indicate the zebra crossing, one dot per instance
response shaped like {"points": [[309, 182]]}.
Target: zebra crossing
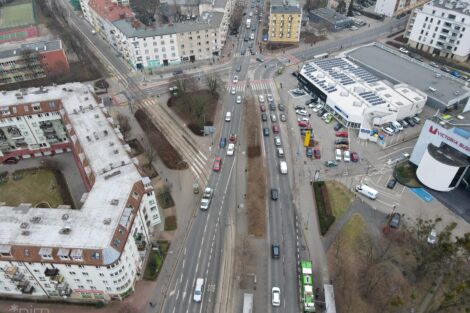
{"points": [[267, 84], [238, 54]]}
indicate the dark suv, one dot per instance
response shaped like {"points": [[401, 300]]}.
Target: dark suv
{"points": [[274, 194], [275, 250], [395, 220]]}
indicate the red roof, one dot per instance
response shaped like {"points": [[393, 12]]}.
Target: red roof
{"points": [[109, 10]]}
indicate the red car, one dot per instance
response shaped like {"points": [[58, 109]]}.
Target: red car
{"points": [[303, 124], [217, 164], [262, 108], [275, 129], [342, 134], [354, 157], [317, 153]]}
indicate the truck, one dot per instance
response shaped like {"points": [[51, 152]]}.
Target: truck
{"points": [[206, 198], [248, 23], [283, 167], [367, 191]]}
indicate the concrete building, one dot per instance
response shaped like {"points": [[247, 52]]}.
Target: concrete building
{"points": [[396, 7], [333, 20], [442, 28], [442, 153], [31, 60], [94, 253], [443, 91], [357, 98], [285, 21]]}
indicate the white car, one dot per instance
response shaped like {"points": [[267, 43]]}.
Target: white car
{"points": [[301, 112], [277, 141], [235, 79], [261, 98], [232, 91], [239, 99], [270, 98], [403, 50], [325, 116], [388, 131], [432, 238], [346, 156], [230, 149], [252, 36], [303, 119], [276, 296]]}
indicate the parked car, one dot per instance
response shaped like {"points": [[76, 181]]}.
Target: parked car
{"points": [[432, 237], [264, 117], [223, 142], [354, 157], [387, 130], [346, 156], [330, 163], [303, 124], [270, 98], [391, 183], [273, 118], [11, 161], [281, 107], [416, 119], [309, 152], [343, 134], [321, 112], [395, 220], [275, 129], [282, 117], [301, 112], [304, 130], [217, 164], [262, 108], [274, 194], [337, 126], [341, 141], [317, 153], [272, 107], [299, 107], [261, 98], [410, 121]]}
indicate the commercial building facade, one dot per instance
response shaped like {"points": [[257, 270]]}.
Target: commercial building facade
{"points": [[396, 7], [96, 252], [333, 20], [441, 28], [285, 21], [31, 60]]}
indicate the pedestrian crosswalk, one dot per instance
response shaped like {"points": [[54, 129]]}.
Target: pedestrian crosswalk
{"points": [[238, 54], [265, 84]]}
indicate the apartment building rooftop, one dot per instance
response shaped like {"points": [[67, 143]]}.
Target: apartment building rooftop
{"points": [[9, 50], [285, 6], [461, 6], [134, 28], [105, 206], [398, 67], [110, 10]]}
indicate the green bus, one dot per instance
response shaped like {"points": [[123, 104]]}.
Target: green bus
{"points": [[306, 286]]}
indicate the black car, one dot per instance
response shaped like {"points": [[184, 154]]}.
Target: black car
{"points": [[281, 107], [391, 183], [341, 141], [252, 51], [299, 107], [338, 126], [410, 121], [246, 38], [275, 251], [243, 51], [274, 194], [272, 107], [264, 117], [321, 112], [295, 73], [177, 72], [266, 131], [395, 220]]}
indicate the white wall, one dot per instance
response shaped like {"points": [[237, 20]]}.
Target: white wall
{"points": [[385, 7], [434, 174]]}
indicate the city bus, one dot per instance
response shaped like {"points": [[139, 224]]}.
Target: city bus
{"points": [[306, 286]]}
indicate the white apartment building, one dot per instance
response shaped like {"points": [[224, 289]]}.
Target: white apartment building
{"points": [[94, 253], [442, 28], [396, 7]]}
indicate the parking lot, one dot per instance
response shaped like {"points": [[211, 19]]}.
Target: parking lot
{"points": [[374, 166]]}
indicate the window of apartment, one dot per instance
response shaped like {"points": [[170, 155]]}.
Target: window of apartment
{"points": [[463, 20], [422, 31], [451, 16], [81, 287], [155, 50], [432, 19], [84, 273], [426, 19], [77, 280], [72, 273]]}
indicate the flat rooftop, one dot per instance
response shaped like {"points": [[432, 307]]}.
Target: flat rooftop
{"points": [[15, 49], [93, 226], [330, 15], [399, 67]]}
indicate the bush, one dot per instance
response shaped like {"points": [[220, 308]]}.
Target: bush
{"points": [[170, 223], [325, 217]]}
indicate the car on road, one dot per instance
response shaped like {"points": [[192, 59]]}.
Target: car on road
{"points": [[243, 51], [330, 163], [233, 91], [252, 36], [230, 149], [280, 152], [232, 138], [262, 108], [354, 157], [217, 164], [276, 296], [239, 68], [277, 141], [391, 183], [228, 116], [395, 220], [283, 117], [432, 237], [272, 107], [301, 112], [177, 72], [273, 118], [246, 38], [197, 296], [274, 194], [275, 251], [270, 98], [261, 98], [223, 142], [235, 79], [281, 107], [239, 99], [309, 152], [275, 129], [264, 117], [266, 131], [317, 153]]}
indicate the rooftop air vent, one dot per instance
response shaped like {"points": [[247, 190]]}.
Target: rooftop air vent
{"points": [[65, 231], [114, 202], [24, 225], [65, 217], [107, 221], [35, 219], [25, 233]]}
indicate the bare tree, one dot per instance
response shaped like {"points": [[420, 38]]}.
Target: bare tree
{"points": [[237, 16], [213, 83], [185, 84], [151, 155], [124, 125]]}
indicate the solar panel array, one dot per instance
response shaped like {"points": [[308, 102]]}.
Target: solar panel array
{"points": [[371, 98], [365, 75]]}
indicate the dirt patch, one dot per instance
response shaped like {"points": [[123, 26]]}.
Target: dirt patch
{"points": [[197, 109], [256, 176], [170, 223], [167, 153], [311, 38]]}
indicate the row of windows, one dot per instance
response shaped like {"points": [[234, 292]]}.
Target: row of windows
{"points": [[449, 16]]}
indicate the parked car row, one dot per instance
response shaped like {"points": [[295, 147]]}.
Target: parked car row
{"points": [[397, 126]]}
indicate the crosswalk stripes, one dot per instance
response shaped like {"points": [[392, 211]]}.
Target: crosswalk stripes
{"points": [[238, 88], [254, 85], [263, 85], [238, 54]]}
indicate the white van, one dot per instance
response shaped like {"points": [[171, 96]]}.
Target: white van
{"points": [[367, 191], [197, 297], [397, 125], [228, 117], [338, 155]]}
